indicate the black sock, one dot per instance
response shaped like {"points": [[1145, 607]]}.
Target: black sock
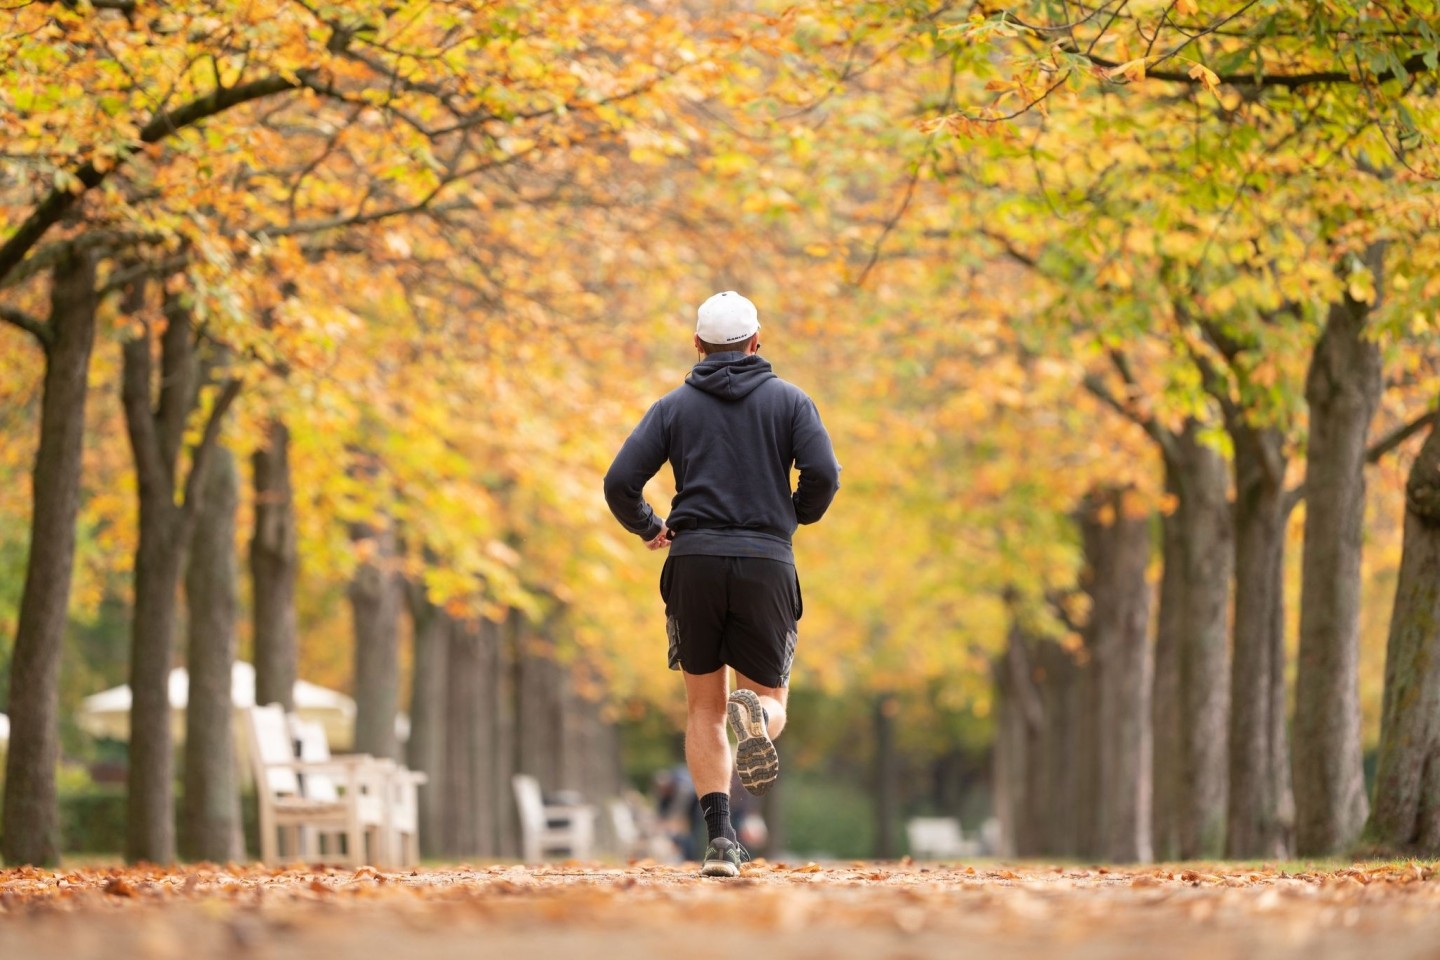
{"points": [[716, 807]]}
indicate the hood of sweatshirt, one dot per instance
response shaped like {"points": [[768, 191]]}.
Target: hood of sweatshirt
{"points": [[730, 376]]}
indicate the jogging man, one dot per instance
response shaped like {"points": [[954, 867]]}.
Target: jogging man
{"points": [[732, 432]]}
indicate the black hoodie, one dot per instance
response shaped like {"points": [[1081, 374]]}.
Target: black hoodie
{"points": [[731, 432]]}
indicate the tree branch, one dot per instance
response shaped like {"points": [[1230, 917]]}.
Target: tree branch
{"points": [[140, 418], [1023, 680], [1153, 428], [1292, 81], [1376, 451], [1292, 499], [102, 243], [1056, 601], [204, 450], [1012, 251], [1415, 64], [1399, 435], [88, 175], [179, 382], [37, 328], [891, 223]]}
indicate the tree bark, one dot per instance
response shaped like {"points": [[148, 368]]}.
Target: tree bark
{"points": [[772, 806], [274, 567], [1406, 813], [511, 639], [156, 436], [1117, 547], [539, 708], [458, 835], [1023, 793], [30, 826], [592, 744], [1167, 735], [211, 810], [376, 595], [493, 787], [1260, 813], [425, 750], [1007, 780], [1202, 525], [1343, 391], [459, 779], [1058, 776], [470, 807], [887, 777]]}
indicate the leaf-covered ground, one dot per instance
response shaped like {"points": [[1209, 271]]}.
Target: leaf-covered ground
{"points": [[869, 910]]}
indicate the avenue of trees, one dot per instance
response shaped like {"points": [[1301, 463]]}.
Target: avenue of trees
{"points": [[323, 320]]}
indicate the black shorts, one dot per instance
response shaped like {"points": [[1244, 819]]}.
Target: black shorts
{"points": [[732, 611]]}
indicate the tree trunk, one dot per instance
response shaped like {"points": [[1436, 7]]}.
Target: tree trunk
{"points": [[1202, 524], [1406, 813], [211, 811], [30, 829], [1007, 780], [425, 750], [1084, 745], [376, 595], [539, 714], [1117, 547], [510, 638], [1260, 818], [1167, 733], [155, 443], [151, 829], [887, 777], [772, 807], [471, 811], [592, 745], [156, 436], [274, 566], [1343, 390], [1023, 792], [493, 786], [459, 780], [1059, 782]]}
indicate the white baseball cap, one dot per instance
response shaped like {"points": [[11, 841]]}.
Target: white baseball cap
{"points": [[727, 318]]}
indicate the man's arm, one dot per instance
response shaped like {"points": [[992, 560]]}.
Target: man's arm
{"points": [[641, 456], [815, 459]]}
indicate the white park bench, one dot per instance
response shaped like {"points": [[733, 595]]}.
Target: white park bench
{"points": [[549, 828], [389, 794], [937, 838], [324, 806]]}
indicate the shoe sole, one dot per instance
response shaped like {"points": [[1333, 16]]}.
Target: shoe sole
{"points": [[755, 758], [719, 868]]}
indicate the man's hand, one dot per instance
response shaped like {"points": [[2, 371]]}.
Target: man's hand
{"points": [[662, 539]]}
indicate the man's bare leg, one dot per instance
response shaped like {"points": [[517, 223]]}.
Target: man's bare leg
{"points": [[707, 750]]}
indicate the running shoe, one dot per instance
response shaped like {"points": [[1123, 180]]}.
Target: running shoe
{"points": [[755, 758], [723, 858]]}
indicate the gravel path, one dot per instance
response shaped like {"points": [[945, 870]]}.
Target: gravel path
{"points": [[876, 911]]}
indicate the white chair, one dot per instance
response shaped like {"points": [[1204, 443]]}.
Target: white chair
{"points": [[286, 810], [935, 838], [550, 827]]}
